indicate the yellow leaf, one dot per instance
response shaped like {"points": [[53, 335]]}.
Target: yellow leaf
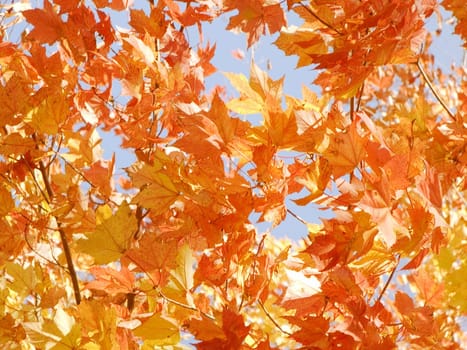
{"points": [[456, 287], [181, 280], [24, 279], [158, 331], [48, 116], [112, 235], [157, 191], [50, 336], [184, 272], [249, 102], [63, 321], [103, 213], [157, 197]]}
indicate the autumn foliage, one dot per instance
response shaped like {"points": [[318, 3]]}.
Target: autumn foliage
{"points": [[165, 253]]}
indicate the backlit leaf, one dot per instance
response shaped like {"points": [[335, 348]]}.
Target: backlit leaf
{"points": [[112, 236], [158, 331]]}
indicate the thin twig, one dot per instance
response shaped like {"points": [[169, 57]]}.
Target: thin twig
{"points": [[360, 94], [39, 254], [433, 90], [310, 11], [78, 172], [296, 216], [185, 306], [272, 320], [386, 285], [31, 170]]}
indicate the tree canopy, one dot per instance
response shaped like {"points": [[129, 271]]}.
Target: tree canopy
{"points": [[166, 253]]}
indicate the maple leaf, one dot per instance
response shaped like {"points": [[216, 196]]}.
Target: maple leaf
{"points": [[157, 190], [15, 144], [98, 323], [430, 294], [231, 130], [458, 10], [112, 236], [230, 335], [315, 180], [48, 27], [100, 175], [155, 24], [154, 256], [385, 157], [63, 330], [417, 320], [304, 40], [112, 281], [10, 331], [118, 5], [345, 151], [253, 17], [24, 279], [250, 101], [312, 331], [158, 331]]}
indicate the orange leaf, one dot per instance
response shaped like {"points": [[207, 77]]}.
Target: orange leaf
{"points": [[112, 281], [315, 180], [345, 151], [157, 191], [253, 17], [153, 254], [416, 260], [48, 27]]}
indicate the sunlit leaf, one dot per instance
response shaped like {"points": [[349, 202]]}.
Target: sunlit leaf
{"points": [[158, 331], [112, 236]]}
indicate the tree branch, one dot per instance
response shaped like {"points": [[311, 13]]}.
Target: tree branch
{"points": [[66, 247]]}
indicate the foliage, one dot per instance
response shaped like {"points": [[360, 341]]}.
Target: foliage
{"points": [[164, 253]]}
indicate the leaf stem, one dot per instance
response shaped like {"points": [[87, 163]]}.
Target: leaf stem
{"points": [[433, 90]]}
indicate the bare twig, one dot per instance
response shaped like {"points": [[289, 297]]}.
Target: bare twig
{"points": [[272, 319], [296, 216], [310, 11], [434, 91], [360, 94], [40, 255], [386, 285], [185, 306]]}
